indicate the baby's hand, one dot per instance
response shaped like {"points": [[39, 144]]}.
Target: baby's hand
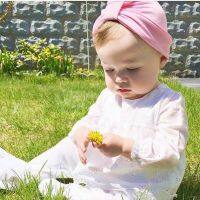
{"points": [[82, 141], [111, 146]]}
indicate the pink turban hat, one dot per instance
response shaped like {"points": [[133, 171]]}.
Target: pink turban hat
{"points": [[146, 18]]}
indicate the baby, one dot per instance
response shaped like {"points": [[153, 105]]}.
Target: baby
{"points": [[143, 121]]}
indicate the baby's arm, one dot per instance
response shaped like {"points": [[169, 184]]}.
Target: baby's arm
{"points": [[168, 138], [88, 123]]}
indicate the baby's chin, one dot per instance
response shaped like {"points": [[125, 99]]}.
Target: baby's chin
{"points": [[130, 95], [133, 97]]}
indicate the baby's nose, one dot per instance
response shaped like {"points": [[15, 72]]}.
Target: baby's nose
{"points": [[120, 79]]}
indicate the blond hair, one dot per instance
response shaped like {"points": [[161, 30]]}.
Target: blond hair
{"points": [[108, 31]]}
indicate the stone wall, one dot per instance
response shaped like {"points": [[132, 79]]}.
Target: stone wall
{"points": [[64, 24]]}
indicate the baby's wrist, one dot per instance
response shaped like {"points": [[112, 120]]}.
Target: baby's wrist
{"points": [[127, 145]]}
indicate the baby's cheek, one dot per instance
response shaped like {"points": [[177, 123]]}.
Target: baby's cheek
{"points": [[139, 88], [142, 86], [109, 82]]}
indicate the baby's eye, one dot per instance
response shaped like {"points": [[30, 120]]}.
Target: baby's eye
{"points": [[109, 70], [132, 69]]}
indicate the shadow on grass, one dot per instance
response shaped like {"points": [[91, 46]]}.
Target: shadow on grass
{"points": [[5, 192], [190, 186]]}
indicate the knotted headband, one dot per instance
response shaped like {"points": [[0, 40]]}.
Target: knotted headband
{"points": [[145, 18]]}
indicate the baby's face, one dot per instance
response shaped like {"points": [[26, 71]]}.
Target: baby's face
{"points": [[131, 66]]}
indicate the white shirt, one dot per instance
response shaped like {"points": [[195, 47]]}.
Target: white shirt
{"points": [[157, 124]]}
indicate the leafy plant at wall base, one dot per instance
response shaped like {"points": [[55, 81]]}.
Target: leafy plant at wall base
{"points": [[40, 56]]}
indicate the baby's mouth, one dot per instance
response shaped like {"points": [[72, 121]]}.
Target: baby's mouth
{"points": [[123, 90]]}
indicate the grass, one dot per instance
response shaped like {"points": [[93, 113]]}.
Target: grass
{"points": [[37, 112]]}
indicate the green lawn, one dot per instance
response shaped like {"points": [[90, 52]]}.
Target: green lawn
{"points": [[36, 112]]}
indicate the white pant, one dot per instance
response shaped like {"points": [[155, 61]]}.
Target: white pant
{"points": [[60, 161]]}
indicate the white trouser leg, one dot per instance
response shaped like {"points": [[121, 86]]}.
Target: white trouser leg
{"points": [[57, 161], [75, 191], [11, 168]]}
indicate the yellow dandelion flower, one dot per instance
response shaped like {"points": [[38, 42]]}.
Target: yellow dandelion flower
{"points": [[96, 136]]}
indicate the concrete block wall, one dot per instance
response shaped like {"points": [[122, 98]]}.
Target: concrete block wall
{"points": [[64, 24]]}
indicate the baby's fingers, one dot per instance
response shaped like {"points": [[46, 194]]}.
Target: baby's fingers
{"points": [[95, 145], [82, 156], [84, 144], [101, 146], [83, 147]]}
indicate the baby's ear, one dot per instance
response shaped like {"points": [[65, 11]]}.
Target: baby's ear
{"points": [[163, 61]]}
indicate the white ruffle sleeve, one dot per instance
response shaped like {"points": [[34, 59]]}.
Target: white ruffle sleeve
{"points": [[167, 140], [90, 120]]}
